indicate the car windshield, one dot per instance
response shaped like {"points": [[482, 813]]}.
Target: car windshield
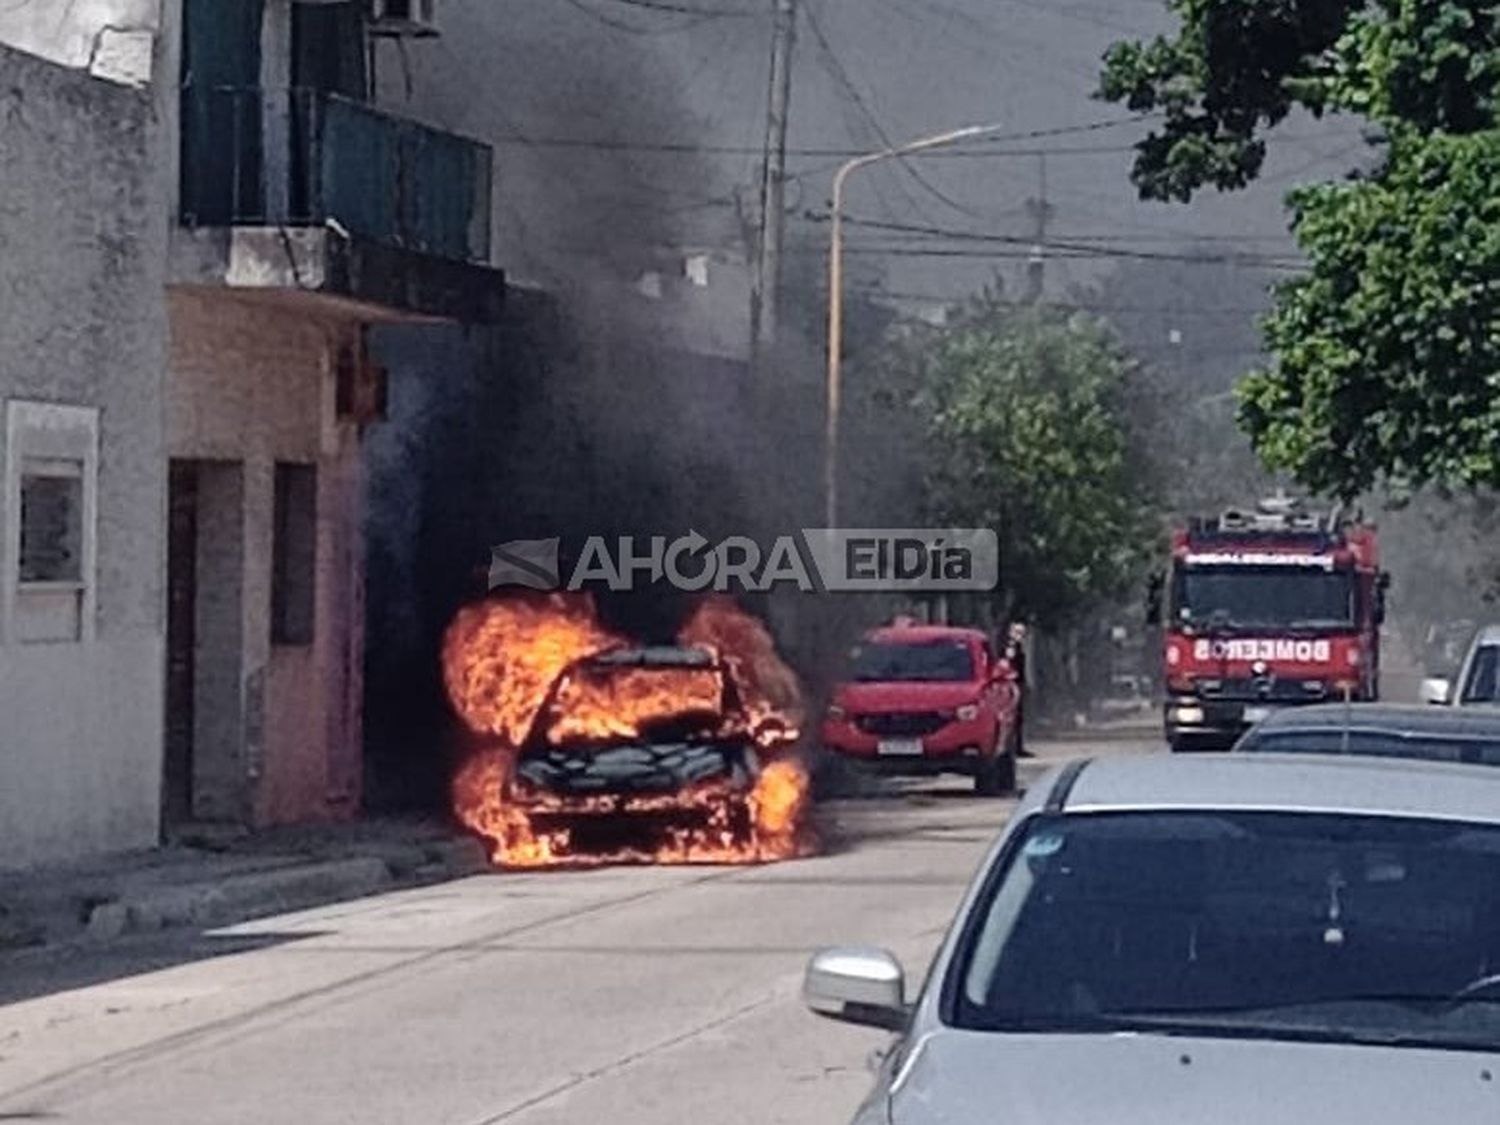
{"points": [[1374, 743], [931, 661], [1264, 596], [1483, 684], [1281, 925], [605, 702]]}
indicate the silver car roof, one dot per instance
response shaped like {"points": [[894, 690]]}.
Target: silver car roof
{"points": [[1488, 635], [1392, 718], [1277, 783]]}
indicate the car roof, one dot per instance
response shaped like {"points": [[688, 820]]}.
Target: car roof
{"points": [[1448, 722], [1488, 635], [922, 634], [1357, 786], [663, 656]]}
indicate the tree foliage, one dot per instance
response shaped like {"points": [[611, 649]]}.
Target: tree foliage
{"points": [[1019, 415], [1386, 361]]}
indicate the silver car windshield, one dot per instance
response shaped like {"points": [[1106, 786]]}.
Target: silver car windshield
{"points": [[1282, 925], [1483, 685]]}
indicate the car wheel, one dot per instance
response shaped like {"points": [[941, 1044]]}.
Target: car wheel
{"points": [[1008, 759], [833, 777]]}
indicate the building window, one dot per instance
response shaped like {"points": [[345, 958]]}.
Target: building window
{"points": [[295, 552], [51, 521], [51, 467]]}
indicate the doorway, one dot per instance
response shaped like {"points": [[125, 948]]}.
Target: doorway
{"points": [[204, 779]]}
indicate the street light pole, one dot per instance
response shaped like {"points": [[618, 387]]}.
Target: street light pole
{"points": [[834, 388]]}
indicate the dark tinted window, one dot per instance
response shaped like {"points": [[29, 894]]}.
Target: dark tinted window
{"points": [[934, 661], [294, 555], [52, 521], [1481, 686], [1298, 925]]}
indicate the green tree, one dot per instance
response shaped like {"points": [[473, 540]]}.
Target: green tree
{"points": [[1386, 358], [1018, 420]]}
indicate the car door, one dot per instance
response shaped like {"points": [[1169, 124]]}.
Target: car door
{"points": [[999, 694]]}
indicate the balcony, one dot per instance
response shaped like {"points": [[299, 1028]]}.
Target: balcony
{"points": [[306, 190]]}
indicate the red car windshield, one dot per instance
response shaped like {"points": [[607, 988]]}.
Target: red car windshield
{"points": [[928, 662]]}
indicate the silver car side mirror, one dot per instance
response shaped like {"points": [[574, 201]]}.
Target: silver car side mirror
{"points": [[857, 985], [1436, 691]]}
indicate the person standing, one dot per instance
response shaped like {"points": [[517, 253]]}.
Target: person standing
{"points": [[1015, 654]]}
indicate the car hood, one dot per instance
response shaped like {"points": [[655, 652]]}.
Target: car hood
{"points": [[971, 1078], [904, 695]]}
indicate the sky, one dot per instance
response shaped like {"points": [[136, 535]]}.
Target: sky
{"points": [[623, 125]]}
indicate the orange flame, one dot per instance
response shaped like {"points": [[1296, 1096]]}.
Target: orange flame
{"points": [[590, 707], [765, 825], [768, 689], [501, 657]]}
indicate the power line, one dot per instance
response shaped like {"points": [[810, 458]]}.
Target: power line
{"points": [[841, 75], [950, 299], [999, 138], [693, 148], [688, 9], [696, 17], [1065, 242], [1069, 251]]}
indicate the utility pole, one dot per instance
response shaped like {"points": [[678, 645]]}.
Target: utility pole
{"points": [[1040, 211], [834, 384], [765, 292]]}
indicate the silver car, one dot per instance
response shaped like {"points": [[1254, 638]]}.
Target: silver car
{"points": [[1243, 939], [1392, 730], [1478, 682]]}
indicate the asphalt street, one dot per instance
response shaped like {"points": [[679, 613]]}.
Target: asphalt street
{"points": [[626, 996]]}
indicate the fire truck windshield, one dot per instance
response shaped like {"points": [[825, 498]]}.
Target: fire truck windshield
{"points": [[1263, 596]]}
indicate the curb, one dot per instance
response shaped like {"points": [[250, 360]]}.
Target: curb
{"points": [[251, 895]]}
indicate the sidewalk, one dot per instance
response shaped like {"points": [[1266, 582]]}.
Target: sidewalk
{"points": [[265, 873]]}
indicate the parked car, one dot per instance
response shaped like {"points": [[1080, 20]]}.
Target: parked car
{"points": [[1478, 681], [928, 699], [1180, 940], [1443, 734]]}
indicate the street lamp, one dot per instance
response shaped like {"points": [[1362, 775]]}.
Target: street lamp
{"points": [[836, 293]]}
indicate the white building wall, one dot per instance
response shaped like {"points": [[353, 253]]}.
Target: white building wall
{"points": [[114, 40], [83, 218]]}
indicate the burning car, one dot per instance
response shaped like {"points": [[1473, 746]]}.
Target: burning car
{"points": [[634, 745], [596, 750]]}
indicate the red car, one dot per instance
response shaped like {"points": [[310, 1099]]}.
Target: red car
{"points": [[928, 699]]}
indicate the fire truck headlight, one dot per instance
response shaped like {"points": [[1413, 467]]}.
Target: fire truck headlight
{"points": [[967, 713], [1258, 668], [1187, 716]]}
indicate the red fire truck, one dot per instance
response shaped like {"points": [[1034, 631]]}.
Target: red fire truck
{"points": [[1262, 609]]}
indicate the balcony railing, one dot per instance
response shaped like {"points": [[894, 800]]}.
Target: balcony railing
{"points": [[304, 157]]}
